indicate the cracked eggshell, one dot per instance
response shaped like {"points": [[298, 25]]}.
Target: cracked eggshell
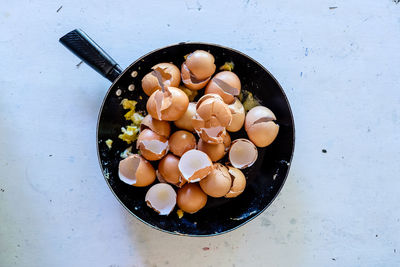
{"points": [[194, 165], [227, 141], [201, 64], [257, 113], [214, 135], [190, 81], [161, 198], [191, 198], [243, 153], [167, 106], [159, 177], [181, 141], [170, 73], [238, 182], [214, 151], [152, 146], [260, 126], [213, 111], [238, 116], [162, 128], [169, 170], [136, 171], [218, 182], [211, 118], [185, 122], [226, 84]]}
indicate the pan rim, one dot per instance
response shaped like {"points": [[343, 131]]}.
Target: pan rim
{"points": [[246, 220]]}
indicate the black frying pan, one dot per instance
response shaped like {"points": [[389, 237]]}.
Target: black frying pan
{"points": [[264, 179]]}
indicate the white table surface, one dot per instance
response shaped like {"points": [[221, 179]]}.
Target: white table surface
{"points": [[340, 69]]}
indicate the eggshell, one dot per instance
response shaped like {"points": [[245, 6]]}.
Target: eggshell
{"points": [[161, 198], [201, 64], [226, 84], [191, 82], [171, 69], [263, 134], [215, 135], [150, 84], [136, 171], [185, 122], [257, 113], [162, 128], [243, 153], [170, 77], [214, 151], [227, 141], [190, 198], [181, 141], [168, 107], [194, 165], [152, 146], [211, 118], [238, 116], [260, 126], [169, 170], [214, 108], [238, 182], [218, 182]]}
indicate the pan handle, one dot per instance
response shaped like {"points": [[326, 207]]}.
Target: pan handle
{"points": [[79, 43]]}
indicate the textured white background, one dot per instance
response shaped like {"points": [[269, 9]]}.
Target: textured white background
{"points": [[339, 67]]}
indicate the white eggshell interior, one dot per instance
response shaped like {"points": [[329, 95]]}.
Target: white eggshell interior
{"points": [[243, 153], [162, 198], [155, 146], [192, 161]]}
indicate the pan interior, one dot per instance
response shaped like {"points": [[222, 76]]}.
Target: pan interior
{"points": [[264, 179]]}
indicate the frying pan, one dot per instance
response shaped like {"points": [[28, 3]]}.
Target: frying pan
{"points": [[264, 179]]}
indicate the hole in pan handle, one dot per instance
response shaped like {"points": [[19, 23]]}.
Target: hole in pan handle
{"points": [[79, 43]]}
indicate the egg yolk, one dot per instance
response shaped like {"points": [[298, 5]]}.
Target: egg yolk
{"points": [[130, 133]]}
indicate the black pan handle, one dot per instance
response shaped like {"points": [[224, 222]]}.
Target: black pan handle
{"points": [[91, 53]]}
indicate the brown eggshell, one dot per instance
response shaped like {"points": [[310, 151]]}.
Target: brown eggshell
{"points": [[137, 171], [145, 138], [226, 84], [178, 105], [227, 141], [172, 70], [168, 168], [263, 134], [212, 116], [218, 182], [195, 165], [185, 122], [238, 116], [215, 135], [170, 76], [189, 81], [238, 182], [162, 128], [260, 126], [150, 84], [242, 153], [201, 64], [181, 141], [190, 198], [211, 107], [214, 151], [257, 113]]}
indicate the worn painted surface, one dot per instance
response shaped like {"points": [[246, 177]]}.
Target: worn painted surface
{"points": [[339, 63]]}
